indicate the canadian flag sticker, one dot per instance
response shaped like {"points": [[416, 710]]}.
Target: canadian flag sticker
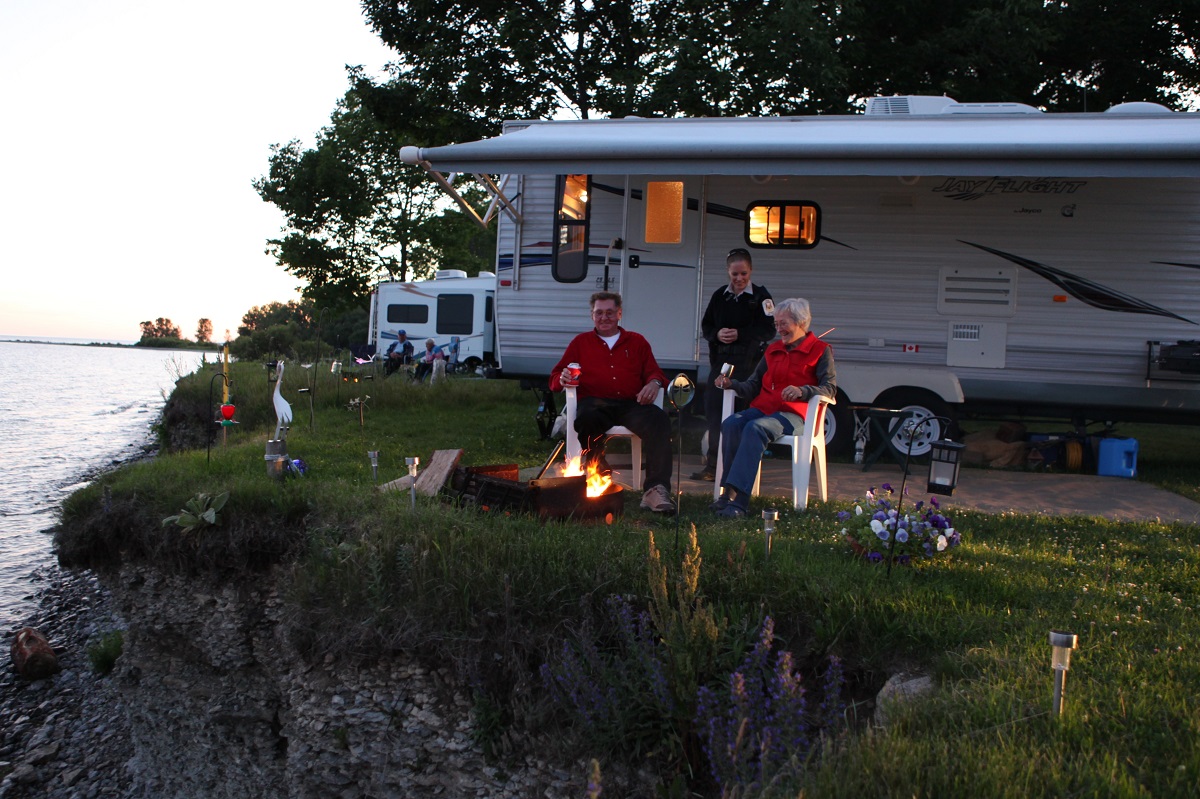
{"points": [[911, 347]]}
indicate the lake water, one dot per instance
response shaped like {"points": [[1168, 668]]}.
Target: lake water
{"points": [[66, 412]]}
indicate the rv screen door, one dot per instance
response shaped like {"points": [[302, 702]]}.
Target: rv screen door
{"points": [[569, 260], [661, 275]]}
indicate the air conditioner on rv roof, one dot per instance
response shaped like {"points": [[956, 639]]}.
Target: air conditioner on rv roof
{"points": [[907, 104], [919, 105]]}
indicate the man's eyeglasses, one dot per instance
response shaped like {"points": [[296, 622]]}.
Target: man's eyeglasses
{"points": [[605, 313]]}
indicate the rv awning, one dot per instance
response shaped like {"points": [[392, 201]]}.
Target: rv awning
{"points": [[1036, 145]]}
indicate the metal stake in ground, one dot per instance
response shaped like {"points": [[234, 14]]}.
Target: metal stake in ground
{"points": [[208, 437], [680, 393]]}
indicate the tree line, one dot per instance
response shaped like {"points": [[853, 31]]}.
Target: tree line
{"points": [[162, 332]]}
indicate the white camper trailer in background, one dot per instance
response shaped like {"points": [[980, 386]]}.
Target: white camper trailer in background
{"points": [[982, 258], [452, 309]]}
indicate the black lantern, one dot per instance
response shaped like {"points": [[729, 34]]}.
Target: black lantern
{"points": [[945, 457]]}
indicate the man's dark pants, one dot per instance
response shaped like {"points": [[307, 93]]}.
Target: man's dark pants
{"points": [[650, 423]]}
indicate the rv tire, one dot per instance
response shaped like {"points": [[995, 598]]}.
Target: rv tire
{"points": [[923, 404]]}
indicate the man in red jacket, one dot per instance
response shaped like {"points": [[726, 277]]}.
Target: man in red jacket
{"points": [[618, 384]]}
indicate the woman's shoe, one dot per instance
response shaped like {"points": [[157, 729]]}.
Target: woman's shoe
{"points": [[731, 511]]}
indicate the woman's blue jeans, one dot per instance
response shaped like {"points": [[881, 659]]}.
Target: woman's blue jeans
{"points": [[744, 438]]}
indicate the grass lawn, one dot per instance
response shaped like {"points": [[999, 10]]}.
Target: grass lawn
{"points": [[502, 596]]}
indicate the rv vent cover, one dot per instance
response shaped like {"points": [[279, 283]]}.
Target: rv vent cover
{"points": [[981, 345], [965, 331], [965, 291]]}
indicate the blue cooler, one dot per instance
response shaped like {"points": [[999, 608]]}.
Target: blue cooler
{"points": [[1118, 457]]}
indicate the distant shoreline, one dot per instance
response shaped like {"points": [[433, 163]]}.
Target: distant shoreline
{"points": [[180, 344]]}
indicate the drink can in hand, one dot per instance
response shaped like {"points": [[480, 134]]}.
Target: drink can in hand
{"points": [[726, 370], [573, 372]]}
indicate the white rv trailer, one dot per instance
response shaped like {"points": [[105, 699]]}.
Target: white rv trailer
{"points": [[978, 257], [451, 306]]}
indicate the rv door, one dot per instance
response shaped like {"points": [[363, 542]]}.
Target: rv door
{"points": [[661, 275]]}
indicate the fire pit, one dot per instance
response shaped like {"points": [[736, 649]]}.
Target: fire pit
{"points": [[567, 497], [494, 488]]}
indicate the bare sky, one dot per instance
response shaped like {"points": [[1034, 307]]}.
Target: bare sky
{"points": [[130, 132]]}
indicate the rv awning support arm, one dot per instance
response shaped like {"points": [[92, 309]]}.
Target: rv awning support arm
{"points": [[488, 185], [498, 195]]}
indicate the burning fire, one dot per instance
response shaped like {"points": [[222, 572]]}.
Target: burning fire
{"points": [[597, 483]]}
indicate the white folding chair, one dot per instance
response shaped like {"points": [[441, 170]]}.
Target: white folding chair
{"points": [[807, 447], [573, 447]]}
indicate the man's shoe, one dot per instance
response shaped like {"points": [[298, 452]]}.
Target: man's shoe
{"points": [[657, 500], [729, 496], [731, 511], [706, 474]]}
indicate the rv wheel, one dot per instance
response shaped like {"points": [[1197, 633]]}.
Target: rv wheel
{"points": [[923, 405]]}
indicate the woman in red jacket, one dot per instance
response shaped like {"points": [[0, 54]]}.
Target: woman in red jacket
{"points": [[795, 366]]}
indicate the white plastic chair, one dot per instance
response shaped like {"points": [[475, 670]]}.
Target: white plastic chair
{"points": [[807, 447], [574, 448]]}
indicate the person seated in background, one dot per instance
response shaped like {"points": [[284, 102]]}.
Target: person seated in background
{"points": [[425, 362], [452, 354], [618, 385], [399, 353], [795, 366]]}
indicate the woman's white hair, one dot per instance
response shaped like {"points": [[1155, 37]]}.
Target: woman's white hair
{"points": [[797, 310]]}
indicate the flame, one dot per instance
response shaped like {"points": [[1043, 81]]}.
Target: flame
{"points": [[597, 484]]}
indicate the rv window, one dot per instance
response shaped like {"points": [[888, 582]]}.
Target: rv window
{"points": [[408, 314], [487, 309], [569, 259], [783, 224], [664, 212], [455, 314]]}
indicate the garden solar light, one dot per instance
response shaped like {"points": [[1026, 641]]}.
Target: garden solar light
{"points": [[1063, 643], [412, 472], [770, 516], [373, 454]]}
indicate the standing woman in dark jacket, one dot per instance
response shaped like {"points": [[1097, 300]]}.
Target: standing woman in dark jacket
{"points": [[737, 325]]}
